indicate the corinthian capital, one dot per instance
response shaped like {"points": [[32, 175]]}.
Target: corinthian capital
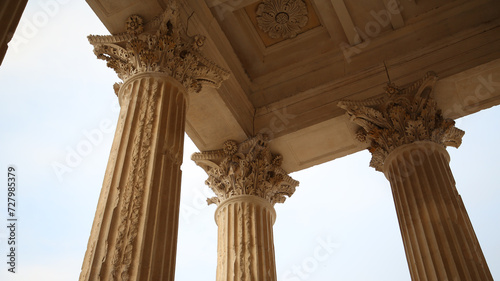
{"points": [[162, 45], [401, 117], [248, 168]]}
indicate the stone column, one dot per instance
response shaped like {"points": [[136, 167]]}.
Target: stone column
{"points": [[10, 14], [134, 234], [247, 180], [408, 137]]}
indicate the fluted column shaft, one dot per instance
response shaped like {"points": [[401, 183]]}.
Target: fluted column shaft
{"points": [[438, 237], [134, 234], [245, 250]]}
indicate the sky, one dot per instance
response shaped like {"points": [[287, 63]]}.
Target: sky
{"points": [[55, 95]]}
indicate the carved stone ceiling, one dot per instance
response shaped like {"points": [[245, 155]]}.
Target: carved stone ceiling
{"points": [[282, 54], [291, 61]]}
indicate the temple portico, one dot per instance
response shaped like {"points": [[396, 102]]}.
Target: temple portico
{"points": [[266, 88], [224, 74]]}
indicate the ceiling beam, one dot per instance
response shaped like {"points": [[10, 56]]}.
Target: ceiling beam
{"points": [[346, 22], [392, 6], [231, 4]]}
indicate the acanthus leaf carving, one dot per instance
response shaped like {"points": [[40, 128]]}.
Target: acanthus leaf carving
{"points": [[248, 168], [401, 117], [162, 45]]}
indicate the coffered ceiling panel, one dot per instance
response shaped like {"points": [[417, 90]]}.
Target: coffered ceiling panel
{"points": [[269, 35], [288, 47], [275, 22], [371, 16]]}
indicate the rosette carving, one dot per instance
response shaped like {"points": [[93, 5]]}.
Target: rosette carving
{"points": [[282, 18], [162, 45], [134, 24], [248, 168], [401, 117]]}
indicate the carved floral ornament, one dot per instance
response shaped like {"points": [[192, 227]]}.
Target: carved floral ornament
{"points": [[282, 18], [161, 45], [248, 168], [402, 116]]}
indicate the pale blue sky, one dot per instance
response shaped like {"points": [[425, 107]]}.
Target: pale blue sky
{"points": [[54, 92]]}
